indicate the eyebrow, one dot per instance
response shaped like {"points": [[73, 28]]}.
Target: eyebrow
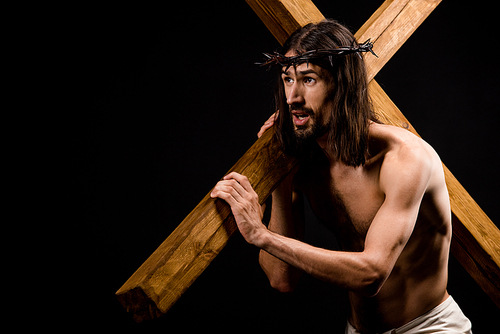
{"points": [[301, 72]]}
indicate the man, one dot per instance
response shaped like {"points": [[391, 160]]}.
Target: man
{"points": [[378, 187]]}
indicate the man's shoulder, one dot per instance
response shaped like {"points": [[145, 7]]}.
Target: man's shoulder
{"points": [[407, 157], [401, 145]]}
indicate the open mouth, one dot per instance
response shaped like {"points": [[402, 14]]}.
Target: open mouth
{"points": [[300, 118]]}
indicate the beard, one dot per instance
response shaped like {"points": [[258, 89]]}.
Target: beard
{"points": [[306, 135], [310, 132]]}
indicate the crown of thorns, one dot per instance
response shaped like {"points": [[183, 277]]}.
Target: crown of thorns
{"points": [[281, 60]]}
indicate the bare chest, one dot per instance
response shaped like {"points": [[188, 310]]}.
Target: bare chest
{"points": [[346, 200]]}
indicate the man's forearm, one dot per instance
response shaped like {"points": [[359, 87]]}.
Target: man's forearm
{"points": [[350, 270], [282, 276]]}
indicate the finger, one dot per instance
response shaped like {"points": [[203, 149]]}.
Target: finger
{"points": [[226, 196], [236, 189], [275, 115], [242, 180], [230, 176], [264, 129], [229, 188], [269, 123]]}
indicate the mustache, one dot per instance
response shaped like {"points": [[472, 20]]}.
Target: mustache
{"points": [[301, 109]]}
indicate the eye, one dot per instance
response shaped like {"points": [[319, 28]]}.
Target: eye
{"points": [[287, 80], [309, 80]]}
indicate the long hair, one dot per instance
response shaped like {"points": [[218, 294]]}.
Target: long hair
{"points": [[352, 110]]}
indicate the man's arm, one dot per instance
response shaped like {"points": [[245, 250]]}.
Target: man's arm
{"points": [[404, 179], [287, 219]]}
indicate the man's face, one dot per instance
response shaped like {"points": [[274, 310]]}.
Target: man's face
{"points": [[307, 88]]}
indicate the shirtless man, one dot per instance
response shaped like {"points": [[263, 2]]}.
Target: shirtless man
{"points": [[380, 189]]}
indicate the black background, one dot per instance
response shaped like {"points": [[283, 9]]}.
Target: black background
{"points": [[162, 100]]}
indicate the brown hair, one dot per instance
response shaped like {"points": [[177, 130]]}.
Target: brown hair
{"points": [[352, 110]]}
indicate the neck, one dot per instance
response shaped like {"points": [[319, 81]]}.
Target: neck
{"points": [[332, 157], [323, 144]]}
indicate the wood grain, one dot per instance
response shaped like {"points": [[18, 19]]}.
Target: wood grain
{"points": [[283, 17], [183, 256], [390, 26]]}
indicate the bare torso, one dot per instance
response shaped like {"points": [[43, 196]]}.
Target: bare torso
{"points": [[346, 200]]}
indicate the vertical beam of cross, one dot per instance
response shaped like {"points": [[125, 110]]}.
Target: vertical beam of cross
{"points": [[182, 257]]}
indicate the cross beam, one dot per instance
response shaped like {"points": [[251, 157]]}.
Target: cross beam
{"points": [[182, 257]]}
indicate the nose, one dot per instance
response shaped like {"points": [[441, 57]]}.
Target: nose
{"points": [[295, 95]]}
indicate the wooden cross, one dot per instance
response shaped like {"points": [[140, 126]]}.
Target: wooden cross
{"points": [[182, 257]]}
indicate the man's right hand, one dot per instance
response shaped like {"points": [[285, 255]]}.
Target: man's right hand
{"points": [[269, 123]]}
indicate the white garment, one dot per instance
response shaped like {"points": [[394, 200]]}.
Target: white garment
{"points": [[447, 317]]}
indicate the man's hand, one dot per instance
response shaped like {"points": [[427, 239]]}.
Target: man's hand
{"points": [[237, 191], [269, 123]]}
